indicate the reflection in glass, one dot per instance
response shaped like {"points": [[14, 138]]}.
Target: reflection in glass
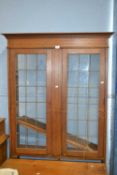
{"points": [[83, 101], [31, 100]]}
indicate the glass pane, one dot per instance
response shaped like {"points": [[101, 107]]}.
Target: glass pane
{"points": [[83, 101], [72, 66], [21, 62], [21, 78], [31, 78], [84, 62], [41, 81], [31, 100], [31, 62], [42, 62]]}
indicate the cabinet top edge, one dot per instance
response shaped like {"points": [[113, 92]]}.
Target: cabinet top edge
{"points": [[26, 35]]}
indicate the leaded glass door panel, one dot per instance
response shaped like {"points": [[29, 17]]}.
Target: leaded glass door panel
{"points": [[83, 106], [33, 126]]}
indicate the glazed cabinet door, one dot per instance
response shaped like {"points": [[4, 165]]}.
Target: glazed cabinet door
{"points": [[30, 94], [57, 103], [83, 99]]}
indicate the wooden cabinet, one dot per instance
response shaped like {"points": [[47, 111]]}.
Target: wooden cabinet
{"points": [[57, 95], [3, 141], [2, 126]]}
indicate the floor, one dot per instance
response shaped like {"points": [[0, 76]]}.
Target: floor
{"points": [[44, 167]]}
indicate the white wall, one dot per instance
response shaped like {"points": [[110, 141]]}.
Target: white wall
{"points": [[55, 16]]}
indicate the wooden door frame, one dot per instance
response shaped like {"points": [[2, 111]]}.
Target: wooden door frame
{"points": [[12, 103], [100, 154]]}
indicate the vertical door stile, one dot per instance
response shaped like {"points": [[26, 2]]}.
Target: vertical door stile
{"points": [[49, 103], [12, 100], [56, 102], [64, 101], [102, 105]]}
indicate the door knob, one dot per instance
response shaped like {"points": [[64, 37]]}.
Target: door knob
{"points": [[101, 82], [57, 46]]}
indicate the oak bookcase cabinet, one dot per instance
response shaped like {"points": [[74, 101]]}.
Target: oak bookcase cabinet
{"points": [[57, 95]]}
